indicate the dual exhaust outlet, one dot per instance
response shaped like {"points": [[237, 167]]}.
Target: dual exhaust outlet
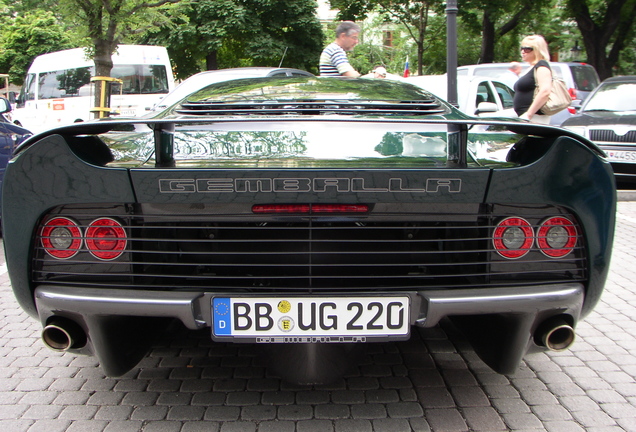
{"points": [[61, 334], [555, 334]]}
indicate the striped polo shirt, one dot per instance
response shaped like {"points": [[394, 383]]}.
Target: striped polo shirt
{"points": [[333, 61]]}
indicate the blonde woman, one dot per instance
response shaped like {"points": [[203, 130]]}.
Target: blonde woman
{"points": [[534, 50]]}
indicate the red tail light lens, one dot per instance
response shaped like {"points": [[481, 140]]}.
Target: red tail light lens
{"points": [[513, 237], [106, 239], [61, 237], [556, 237]]}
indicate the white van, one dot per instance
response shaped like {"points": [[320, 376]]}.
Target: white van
{"points": [[57, 89]]}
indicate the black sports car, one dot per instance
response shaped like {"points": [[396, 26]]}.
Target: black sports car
{"points": [[310, 215]]}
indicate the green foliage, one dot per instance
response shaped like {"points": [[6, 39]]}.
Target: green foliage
{"points": [[27, 36], [232, 33]]}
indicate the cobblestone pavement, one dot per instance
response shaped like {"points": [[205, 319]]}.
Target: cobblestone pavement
{"points": [[187, 383]]}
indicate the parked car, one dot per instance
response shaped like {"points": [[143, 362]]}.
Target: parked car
{"points": [[10, 137], [205, 78], [580, 79], [608, 118], [310, 216], [476, 96]]}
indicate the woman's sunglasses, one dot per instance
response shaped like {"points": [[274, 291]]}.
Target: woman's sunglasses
{"points": [[527, 49]]}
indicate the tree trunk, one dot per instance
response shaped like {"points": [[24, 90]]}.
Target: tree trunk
{"points": [[103, 65], [211, 62], [487, 54], [616, 26]]}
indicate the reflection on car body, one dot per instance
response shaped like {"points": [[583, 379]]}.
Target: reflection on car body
{"points": [[308, 215], [205, 78]]}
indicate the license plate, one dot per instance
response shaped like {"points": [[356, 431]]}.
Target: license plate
{"points": [[621, 156], [315, 319]]}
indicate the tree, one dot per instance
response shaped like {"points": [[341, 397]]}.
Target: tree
{"points": [[413, 15], [494, 20], [210, 34], [27, 36], [606, 26], [106, 23]]}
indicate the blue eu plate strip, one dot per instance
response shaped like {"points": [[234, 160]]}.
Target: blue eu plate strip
{"points": [[221, 311]]}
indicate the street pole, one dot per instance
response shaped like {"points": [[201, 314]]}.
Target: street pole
{"points": [[451, 51]]}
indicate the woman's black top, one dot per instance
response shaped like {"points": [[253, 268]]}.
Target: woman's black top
{"points": [[524, 89]]}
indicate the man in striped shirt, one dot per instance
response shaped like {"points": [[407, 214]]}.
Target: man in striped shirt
{"points": [[333, 60]]}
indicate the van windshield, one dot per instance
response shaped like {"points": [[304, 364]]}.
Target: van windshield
{"points": [[136, 79]]}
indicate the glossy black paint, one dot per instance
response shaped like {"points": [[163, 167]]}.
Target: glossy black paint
{"points": [[110, 169]]}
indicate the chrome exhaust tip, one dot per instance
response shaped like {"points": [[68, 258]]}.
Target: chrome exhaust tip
{"points": [[62, 334], [556, 334]]}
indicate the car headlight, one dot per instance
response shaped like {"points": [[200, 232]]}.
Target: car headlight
{"points": [[581, 130]]}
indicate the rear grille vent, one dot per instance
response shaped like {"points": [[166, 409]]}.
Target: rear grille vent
{"points": [[312, 253], [607, 135]]}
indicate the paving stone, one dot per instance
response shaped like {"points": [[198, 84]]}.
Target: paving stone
{"points": [[295, 412], [149, 413], [483, 419], [162, 426], [313, 397], [353, 425], [332, 411], [78, 412], [186, 413], [243, 398], [348, 397], [277, 426], [445, 419], [278, 398], [470, 397], [368, 411], [391, 425], [258, 413], [87, 425], [222, 413], [112, 413]]}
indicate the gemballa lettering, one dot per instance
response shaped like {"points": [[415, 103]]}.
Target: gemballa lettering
{"points": [[300, 185]]}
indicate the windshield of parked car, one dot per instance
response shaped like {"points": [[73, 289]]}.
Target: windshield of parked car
{"points": [[616, 96]]}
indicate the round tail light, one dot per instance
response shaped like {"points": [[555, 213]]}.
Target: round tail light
{"points": [[513, 237], [106, 239], [556, 237], [61, 237]]}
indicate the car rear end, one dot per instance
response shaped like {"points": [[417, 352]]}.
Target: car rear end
{"points": [[308, 223]]}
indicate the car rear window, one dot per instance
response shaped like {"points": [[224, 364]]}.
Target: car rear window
{"points": [[585, 78]]}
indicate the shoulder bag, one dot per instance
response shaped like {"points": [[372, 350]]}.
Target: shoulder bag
{"points": [[559, 98]]}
